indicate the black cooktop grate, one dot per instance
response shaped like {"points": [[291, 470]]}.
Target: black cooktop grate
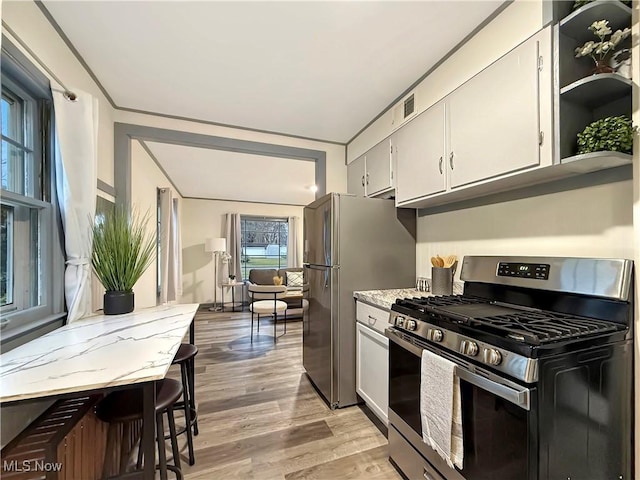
{"points": [[533, 327], [537, 328], [422, 304]]}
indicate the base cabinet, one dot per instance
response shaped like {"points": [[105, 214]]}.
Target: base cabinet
{"points": [[372, 370]]}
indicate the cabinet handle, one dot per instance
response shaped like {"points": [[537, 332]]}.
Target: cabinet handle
{"points": [[451, 160], [363, 180], [367, 178], [426, 474], [372, 320], [440, 165]]}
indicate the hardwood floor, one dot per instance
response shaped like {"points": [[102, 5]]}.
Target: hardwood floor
{"points": [[260, 418]]}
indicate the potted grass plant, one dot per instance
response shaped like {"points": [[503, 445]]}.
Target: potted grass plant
{"points": [[122, 250]]}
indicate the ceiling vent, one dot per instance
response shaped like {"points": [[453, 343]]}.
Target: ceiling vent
{"points": [[403, 111]]}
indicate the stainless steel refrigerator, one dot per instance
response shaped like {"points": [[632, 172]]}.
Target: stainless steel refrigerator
{"points": [[350, 243]]}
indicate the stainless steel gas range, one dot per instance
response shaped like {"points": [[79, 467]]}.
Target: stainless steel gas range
{"points": [[543, 350]]}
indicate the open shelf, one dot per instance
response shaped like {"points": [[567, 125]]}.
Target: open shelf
{"points": [[597, 89], [577, 23], [593, 161]]}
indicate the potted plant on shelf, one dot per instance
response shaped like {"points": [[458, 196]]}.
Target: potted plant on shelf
{"points": [[232, 279], [122, 250], [600, 51], [607, 134]]}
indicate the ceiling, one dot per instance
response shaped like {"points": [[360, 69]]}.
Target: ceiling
{"points": [[319, 70], [206, 173]]}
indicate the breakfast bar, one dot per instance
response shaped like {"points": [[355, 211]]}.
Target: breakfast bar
{"points": [[100, 354]]}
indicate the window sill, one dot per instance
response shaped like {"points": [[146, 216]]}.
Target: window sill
{"points": [[14, 334]]}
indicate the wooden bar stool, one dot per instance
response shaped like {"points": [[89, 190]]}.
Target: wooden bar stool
{"points": [[125, 406], [185, 357]]}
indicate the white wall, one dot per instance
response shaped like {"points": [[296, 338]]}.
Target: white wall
{"points": [[32, 28], [595, 221], [205, 219], [511, 27], [146, 178], [336, 179]]}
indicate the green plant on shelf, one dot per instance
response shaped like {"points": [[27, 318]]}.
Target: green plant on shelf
{"points": [[600, 51], [607, 134]]}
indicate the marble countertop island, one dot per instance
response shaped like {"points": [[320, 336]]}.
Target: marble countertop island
{"points": [[96, 352]]}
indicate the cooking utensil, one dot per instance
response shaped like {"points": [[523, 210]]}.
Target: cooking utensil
{"points": [[434, 262], [449, 260], [440, 261]]}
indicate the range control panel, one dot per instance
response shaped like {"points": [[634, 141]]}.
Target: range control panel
{"points": [[539, 271]]}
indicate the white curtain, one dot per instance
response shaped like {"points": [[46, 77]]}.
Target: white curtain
{"points": [[170, 247], [234, 244], [293, 250], [76, 163]]}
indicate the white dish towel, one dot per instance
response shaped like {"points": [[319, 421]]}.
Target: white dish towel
{"points": [[440, 408]]}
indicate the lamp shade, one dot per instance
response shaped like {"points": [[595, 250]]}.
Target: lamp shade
{"points": [[215, 245]]}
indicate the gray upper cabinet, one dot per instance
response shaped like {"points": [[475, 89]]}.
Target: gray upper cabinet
{"points": [[356, 177], [494, 121], [420, 155], [379, 167]]}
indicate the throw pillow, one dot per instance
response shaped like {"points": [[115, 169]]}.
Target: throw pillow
{"points": [[294, 279]]}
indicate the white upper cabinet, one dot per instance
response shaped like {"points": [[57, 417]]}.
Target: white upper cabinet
{"points": [[379, 176], [494, 121], [356, 177], [421, 156], [484, 136]]}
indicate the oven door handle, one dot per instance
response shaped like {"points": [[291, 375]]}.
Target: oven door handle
{"points": [[515, 396], [508, 390]]}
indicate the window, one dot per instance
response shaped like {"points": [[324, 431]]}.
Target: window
{"points": [[30, 244], [264, 243]]}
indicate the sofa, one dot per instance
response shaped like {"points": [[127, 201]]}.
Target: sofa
{"points": [[264, 276]]}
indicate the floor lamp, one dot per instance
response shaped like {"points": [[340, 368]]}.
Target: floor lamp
{"points": [[215, 246]]}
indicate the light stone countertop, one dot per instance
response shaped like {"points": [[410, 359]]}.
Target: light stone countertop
{"points": [[96, 352], [385, 298]]}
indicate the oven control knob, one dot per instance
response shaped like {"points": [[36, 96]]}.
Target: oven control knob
{"points": [[491, 356], [400, 321], [467, 347], [410, 324], [435, 335]]}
